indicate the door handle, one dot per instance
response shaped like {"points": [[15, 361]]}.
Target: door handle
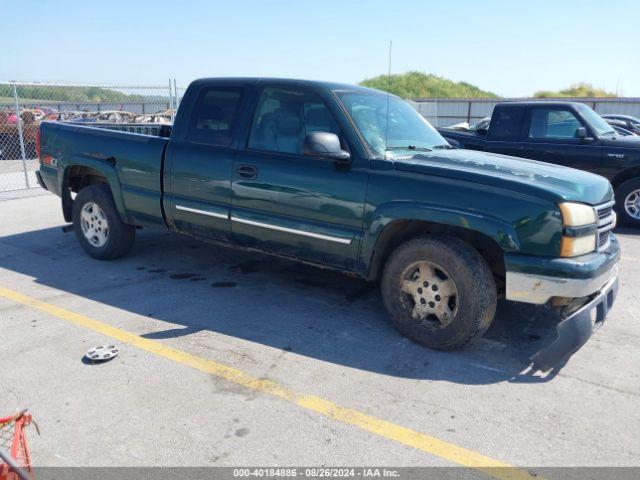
{"points": [[247, 172]]}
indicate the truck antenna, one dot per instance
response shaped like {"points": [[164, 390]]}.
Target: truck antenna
{"points": [[386, 131]]}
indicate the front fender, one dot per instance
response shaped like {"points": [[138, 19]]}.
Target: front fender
{"points": [[103, 168], [501, 232]]}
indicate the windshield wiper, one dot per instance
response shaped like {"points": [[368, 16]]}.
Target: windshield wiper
{"points": [[410, 147], [445, 146]]}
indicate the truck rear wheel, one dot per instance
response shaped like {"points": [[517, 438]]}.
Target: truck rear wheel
{"points": [[439, 292], [628, 203], [98, 226]]}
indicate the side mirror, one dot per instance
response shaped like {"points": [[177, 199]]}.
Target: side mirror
{"points": [[482, 131], [582, 134], [325, 145]]}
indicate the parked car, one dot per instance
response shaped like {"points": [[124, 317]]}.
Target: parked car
{"points": [[628, 122], [564, 133], [619, 128], [466, 126], [165, 116], [352, 179], [115, 116], [9, 133]]}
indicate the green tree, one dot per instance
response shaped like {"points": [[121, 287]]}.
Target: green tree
{"points": [[575, 90], [423, 85], [68, 94]]}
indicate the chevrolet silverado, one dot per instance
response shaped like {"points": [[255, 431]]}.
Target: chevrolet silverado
{"points": [[352, 179]]}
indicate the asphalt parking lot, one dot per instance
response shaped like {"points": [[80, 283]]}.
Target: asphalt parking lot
{"points": [[229, 358]]}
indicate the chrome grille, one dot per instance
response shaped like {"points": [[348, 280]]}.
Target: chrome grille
{"points": [[606, 222], [603, 240], [604, 212]]}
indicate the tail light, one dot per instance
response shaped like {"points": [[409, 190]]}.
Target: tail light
{"points": [[38, 143]]}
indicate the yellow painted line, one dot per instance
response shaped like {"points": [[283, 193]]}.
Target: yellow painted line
{"points": [[382, 428]]}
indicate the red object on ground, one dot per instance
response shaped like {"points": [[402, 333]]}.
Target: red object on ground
{"points": [[14, 441]]}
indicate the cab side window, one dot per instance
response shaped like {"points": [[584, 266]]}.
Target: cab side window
{"points": [[553, 124], [215, 116], [284, 117]]}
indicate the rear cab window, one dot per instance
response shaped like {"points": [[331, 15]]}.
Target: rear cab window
{"points": [[215, 116], [506, 123]]}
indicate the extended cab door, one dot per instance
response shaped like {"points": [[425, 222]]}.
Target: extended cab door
{"points": [[552, 138], [200, 160], [283, 201]]}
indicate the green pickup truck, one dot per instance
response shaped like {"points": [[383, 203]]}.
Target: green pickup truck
{"points": [[352, 179]]}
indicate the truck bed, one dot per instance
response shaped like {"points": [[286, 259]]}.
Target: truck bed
{"points": [[462, 138], [136, 158]]}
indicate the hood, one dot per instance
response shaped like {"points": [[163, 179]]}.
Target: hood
{"points": [[530, 177], [631, 141]]}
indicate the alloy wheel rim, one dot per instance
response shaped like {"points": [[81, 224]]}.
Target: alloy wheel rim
{"points": [[632, 204], [94, 225], [429, 294]]}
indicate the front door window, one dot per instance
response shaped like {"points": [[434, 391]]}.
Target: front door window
{"points": [[553, 124], [285, 116]]}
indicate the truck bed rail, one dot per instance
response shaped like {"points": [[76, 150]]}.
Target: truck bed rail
{"points": [[153, 129]]}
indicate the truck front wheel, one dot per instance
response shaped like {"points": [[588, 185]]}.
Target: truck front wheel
{"points": [[439, 292], [98, 226], [628, 203]]}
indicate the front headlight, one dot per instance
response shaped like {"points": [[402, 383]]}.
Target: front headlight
{"points": [[575, 246], [580, 229], [577, 214]]}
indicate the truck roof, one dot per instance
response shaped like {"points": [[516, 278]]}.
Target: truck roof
{"points": [[549, 103], [288, 81]]}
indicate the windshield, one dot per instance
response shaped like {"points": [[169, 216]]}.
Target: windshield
{"points": [[408, 130], [595, 121]]}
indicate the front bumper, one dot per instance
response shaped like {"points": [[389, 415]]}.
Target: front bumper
{"points": [[538, 289], [536, 280], [592, 277], [575, 330]]}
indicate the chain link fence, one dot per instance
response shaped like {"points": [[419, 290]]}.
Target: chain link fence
{"points": [[23, 106]]}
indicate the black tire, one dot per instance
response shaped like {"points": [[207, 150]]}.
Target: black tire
{"points": [[475, 299], [119, 235], [622, 192]]}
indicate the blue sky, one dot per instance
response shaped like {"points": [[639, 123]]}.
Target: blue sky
{"points": [[510, 47]]}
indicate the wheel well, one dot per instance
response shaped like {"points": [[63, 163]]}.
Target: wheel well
{"points": [[78, 177], [400, 231], [75, 179], [625, 175]]}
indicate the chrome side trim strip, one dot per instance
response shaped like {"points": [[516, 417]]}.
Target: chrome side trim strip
{"points": [[345, 241], [203, 212]]}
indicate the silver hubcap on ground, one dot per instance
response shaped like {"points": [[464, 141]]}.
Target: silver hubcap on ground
{"points": [[430, 293], [94, 224], [632, 204]]}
